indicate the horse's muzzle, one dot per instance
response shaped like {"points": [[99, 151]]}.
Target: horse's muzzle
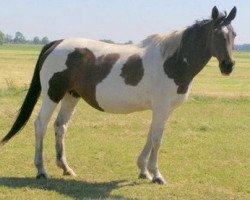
{"points": [[226, 67]]}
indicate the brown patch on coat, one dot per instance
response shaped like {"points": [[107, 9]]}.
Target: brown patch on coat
{"points": [[132, 70], [84, 71], [177, 69]]}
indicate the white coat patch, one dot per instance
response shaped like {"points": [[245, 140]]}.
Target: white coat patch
{"points": [[225, 30]]}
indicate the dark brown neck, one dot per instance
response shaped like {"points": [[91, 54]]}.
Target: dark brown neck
{"points": [[190, 58], [195, 47]]}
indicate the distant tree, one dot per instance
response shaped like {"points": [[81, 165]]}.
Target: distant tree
{"points": [[1, 38], [242, 47], [36, 40], [129, 42], [8, 38], [45, 40], [29, 41], [108, 41], [19, 38]]}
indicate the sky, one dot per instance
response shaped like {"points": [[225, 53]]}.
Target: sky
{"points": [[118, 20]]}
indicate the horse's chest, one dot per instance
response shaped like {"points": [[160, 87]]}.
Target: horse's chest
{"points": [[179, 99]]}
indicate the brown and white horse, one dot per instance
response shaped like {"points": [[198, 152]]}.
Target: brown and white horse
{"points": [[155, 75]]}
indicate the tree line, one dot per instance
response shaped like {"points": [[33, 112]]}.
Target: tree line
{"points": [[112, 42], [19, 38], [242, 47]]}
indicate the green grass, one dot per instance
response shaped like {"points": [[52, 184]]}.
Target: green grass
{"points": [[205, 152], [17, 63], [210, 81]]}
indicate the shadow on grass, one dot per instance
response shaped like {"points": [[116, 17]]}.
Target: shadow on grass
{"points": [[71, 188]]}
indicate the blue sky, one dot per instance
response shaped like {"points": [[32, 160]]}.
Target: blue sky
{"points": [[119, 20]]}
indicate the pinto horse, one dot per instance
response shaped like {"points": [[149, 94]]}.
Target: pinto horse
{"points": [[155, 74]]}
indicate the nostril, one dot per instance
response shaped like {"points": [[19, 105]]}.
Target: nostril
{"points": [[225, 62], [229, 63]]}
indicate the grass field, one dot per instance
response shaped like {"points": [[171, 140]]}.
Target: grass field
{"points": [[205, 153]]}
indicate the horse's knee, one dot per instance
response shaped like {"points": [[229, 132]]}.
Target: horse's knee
{"points": [[156, 140], [39, 127], [60, 127]]}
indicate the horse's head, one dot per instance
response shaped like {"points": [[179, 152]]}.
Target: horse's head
{"points": [[222, 39]]}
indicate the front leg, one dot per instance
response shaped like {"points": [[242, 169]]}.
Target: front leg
{"points": [[142, 161], [152, 163], [147, 161]]}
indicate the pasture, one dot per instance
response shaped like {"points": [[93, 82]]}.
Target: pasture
{"points": [[205, 152]]}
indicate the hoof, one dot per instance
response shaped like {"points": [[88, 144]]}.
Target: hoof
{"points": [[69, 173], [42, 176], [145, 176], [159, 180]]}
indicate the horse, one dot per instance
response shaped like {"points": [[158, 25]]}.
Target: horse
{"points": [[155, 75]]}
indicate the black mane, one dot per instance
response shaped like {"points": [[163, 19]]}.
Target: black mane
{"points": [[200, 23]]}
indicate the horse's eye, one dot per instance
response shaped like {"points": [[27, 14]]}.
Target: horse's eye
{"points": [[216, 31], [234, 34]]}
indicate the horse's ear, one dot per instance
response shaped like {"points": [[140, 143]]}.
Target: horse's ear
{"points": [[215, 13], [231, 16]]}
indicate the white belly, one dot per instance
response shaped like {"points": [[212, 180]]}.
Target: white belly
{"points": [[114, 96]]}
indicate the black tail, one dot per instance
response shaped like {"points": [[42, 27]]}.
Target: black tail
{"points": [[32, 95]]}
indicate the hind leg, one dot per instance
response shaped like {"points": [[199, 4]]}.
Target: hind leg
{"points": [[48, 106], [68, 104]]}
